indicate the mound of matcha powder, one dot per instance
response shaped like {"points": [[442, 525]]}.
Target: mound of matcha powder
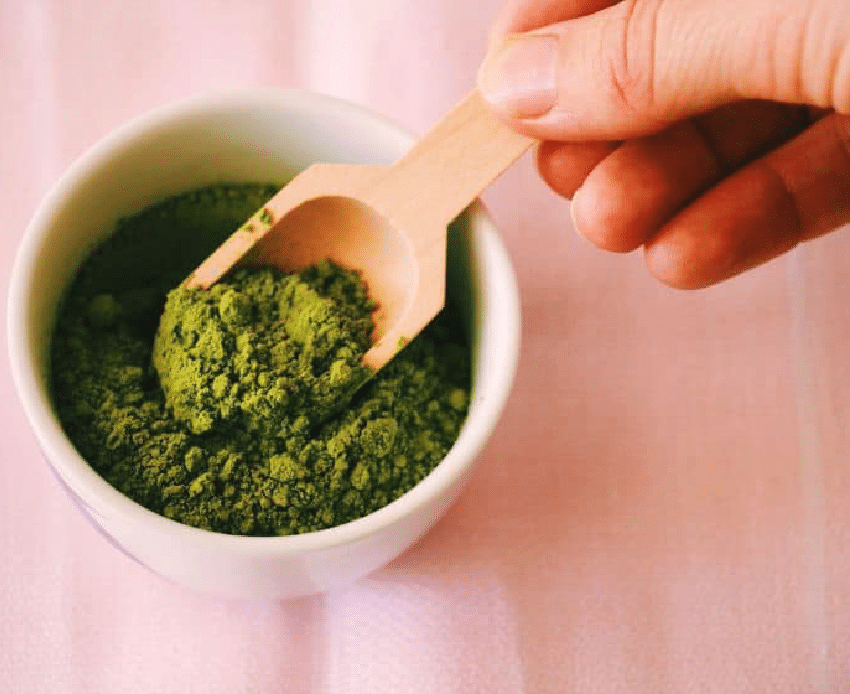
{"points": [[245, 408]]}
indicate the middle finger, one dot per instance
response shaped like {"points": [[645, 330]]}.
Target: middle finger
{"points": [[634, 190]]}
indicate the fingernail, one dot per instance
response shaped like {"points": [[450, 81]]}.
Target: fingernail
{"points": [[519, 75]]}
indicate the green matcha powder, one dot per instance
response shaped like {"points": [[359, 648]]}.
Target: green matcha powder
{"points": [[244, 409]]}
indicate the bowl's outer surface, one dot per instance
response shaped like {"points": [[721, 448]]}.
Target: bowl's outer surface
{"points": [[252, 135]]}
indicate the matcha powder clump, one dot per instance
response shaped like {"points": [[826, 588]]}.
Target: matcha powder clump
{"points": [[261, 349], [245, 408]]}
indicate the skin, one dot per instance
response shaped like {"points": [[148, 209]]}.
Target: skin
{"points": [[714, 145]]}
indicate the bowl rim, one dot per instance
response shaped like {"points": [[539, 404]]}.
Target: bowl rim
{"points": [[98, 496]]}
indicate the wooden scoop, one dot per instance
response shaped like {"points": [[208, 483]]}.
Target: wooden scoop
{"points": [[387, 221]]}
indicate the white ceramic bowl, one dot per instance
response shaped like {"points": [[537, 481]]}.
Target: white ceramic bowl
{"points": [[253, 135]]}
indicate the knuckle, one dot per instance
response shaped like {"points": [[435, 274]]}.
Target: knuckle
{"points": [[631, 59], [811, 57]]}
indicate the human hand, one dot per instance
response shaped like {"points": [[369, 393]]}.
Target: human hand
{"points": [[714, 133]]}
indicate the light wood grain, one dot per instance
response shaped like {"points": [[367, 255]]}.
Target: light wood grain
{"points": [[388, 222]]}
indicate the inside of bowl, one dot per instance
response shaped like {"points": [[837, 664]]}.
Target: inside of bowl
{"points": [[148, 162]]}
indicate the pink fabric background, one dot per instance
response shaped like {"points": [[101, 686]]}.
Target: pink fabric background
{"points": [[665, 506]]}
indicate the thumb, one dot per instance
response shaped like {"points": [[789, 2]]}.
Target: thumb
{"points": [[639, 65]]}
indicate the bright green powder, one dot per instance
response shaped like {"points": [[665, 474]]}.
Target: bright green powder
{"points": [[245, 408]]}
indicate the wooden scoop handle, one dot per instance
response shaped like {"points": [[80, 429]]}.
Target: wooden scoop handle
{"points": [[449, 167]]}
